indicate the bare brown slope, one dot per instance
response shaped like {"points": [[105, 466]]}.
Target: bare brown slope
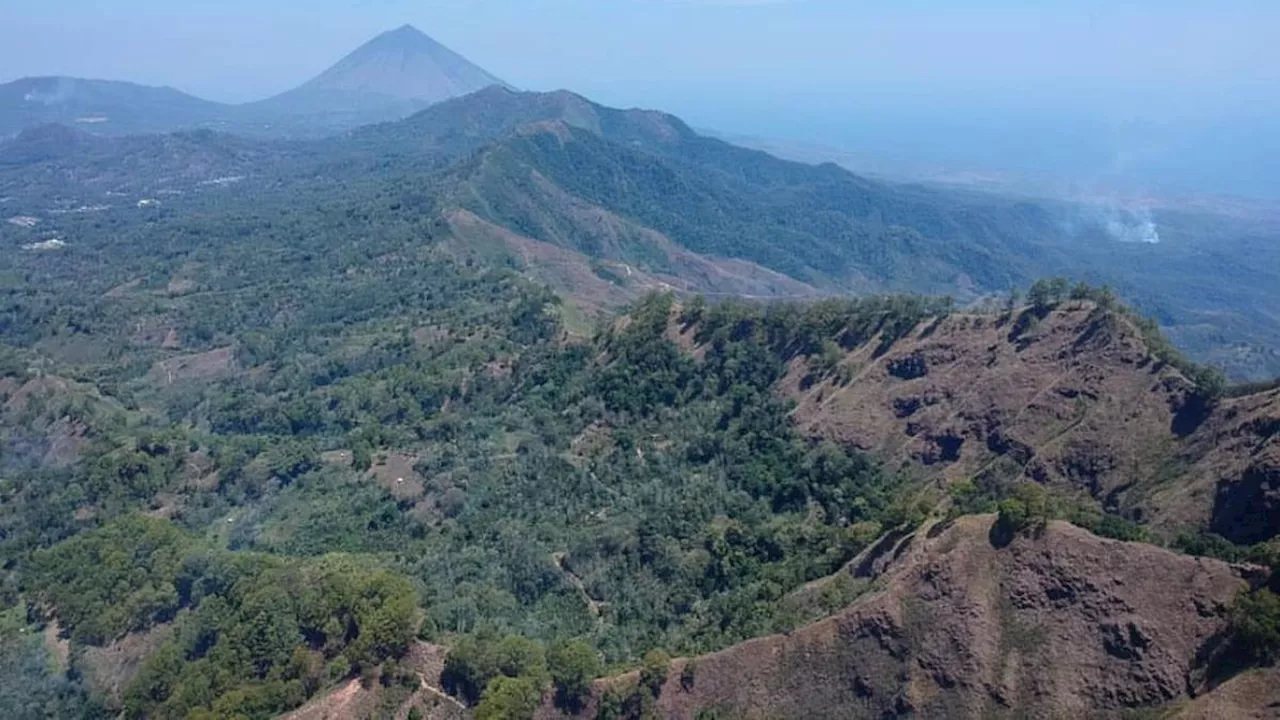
{"points": [[1253, 695], [611, 276], [358, 700], [1075, 399], [1066, 625], [49, 420]]}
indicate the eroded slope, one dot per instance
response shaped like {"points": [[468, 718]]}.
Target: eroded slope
{"points": [[1076, 399], [1064, 625]]}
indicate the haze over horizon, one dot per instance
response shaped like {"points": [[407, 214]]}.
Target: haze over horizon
{"points": [[1084, 92]]}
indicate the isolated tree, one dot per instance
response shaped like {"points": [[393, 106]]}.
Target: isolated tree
{"points": [[1059, 289], [653, 671], [508, 698], [1255, 621], [573, 666], [362, 456], [1027, 510], [1039, 296]]}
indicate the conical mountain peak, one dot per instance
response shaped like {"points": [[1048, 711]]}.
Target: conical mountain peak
{"points": [[405, 64], [405, 37]]}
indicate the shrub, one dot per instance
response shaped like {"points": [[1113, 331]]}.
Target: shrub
{"points": [[653, 673], [1255, 623], [573, 666], [612, 705], [688, 674], [508, 698], [1027, 511], [476, 661]]}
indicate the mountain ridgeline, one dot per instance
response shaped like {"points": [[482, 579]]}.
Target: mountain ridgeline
{"points": [[607, 204], [392, 76]]}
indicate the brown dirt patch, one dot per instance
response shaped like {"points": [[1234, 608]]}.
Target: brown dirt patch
{"points": [[154, 332], [549, 258], [341, 458], [203, 366], [393, 472], [184, 281], [1253, 695], [353, 701], [166, 505], [17, 396], [61, 438], [57, 647], [563, 269], [200, 473], [594, 606], [108, 670], [594, 440], [349, 701], [124, 289]]}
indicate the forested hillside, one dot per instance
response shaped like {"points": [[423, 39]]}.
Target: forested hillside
{"points": [[303, 381], [278, 417], [641, 201]]}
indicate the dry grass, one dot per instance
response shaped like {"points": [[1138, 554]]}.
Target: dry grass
{"points": [[203, 366]]}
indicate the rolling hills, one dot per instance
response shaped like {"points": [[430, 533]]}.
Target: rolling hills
{"points": [[637, 194]]}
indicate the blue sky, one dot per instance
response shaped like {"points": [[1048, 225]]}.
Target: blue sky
{"points": [[924, 78]]}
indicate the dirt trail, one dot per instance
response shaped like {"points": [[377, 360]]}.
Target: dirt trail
{"points": [[595, 606], [441, 694]]}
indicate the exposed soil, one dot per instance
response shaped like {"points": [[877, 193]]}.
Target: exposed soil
{"points": [[354, 701], [1064, 625], [203, 366], [1074, 400], [594, 606], [124, 289], [1251, 696], [59, 648], [108, 670], [45, 433], [609, 277], [393, 471]]}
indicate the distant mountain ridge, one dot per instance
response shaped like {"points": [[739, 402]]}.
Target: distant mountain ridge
{"points": [[390, 77], [100, 106], [605, 203]]}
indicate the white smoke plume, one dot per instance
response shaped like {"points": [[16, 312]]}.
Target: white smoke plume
{"points": [[1136, 226], [51, 91]]}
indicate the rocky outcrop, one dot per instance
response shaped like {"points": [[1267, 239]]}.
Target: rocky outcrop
{"points": [[1072, 398], [1235, 461], [1064, 625]]}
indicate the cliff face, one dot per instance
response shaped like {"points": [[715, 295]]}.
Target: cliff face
{"points": [[1235, 458], [1064, 625], [1074, 399]]}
